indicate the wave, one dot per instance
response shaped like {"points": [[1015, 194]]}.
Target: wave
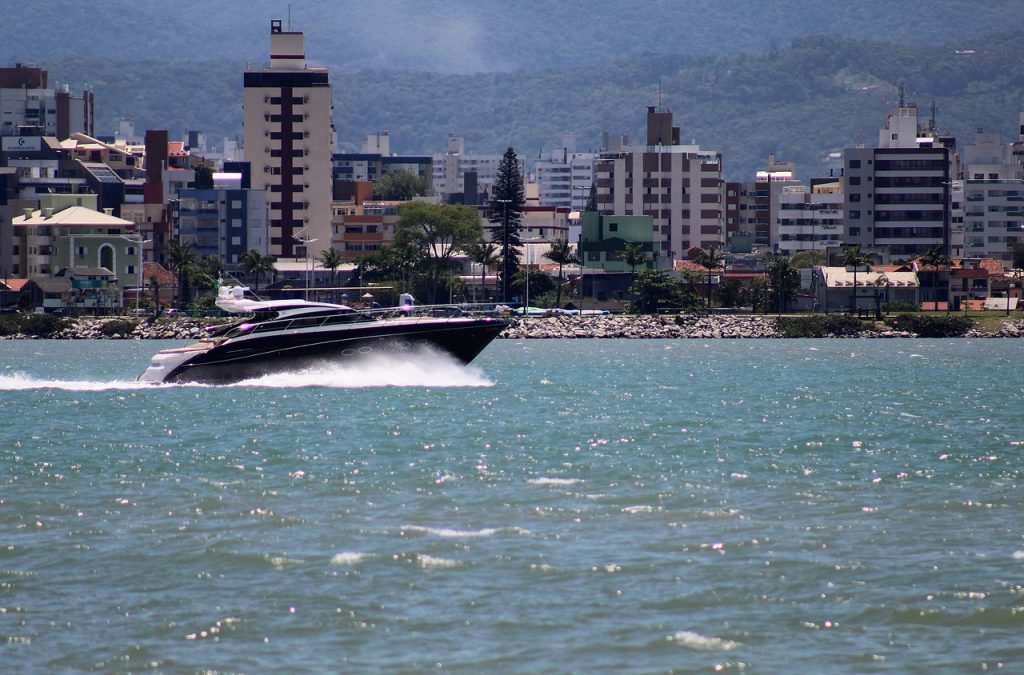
{"points": [[418, 368], [449, 533], [700, 642], [24, 382], [349, 558], [432, 562], [554, 481]]}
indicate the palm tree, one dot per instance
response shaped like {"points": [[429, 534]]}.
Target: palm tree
{"points": [[855, 258], [486, 255], [331, 260], [711, 260], [255, 263], [936, 257], [560, 252], [181, 257], [787, 280]]}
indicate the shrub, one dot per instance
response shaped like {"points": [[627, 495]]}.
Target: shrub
{"points": [[829, 325], [933, 326], [899, 306], [118, 327], [41, 325], [9, 324]]}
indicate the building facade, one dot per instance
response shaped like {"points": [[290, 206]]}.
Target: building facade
{"points": [[899, 194], [289, 141], [680, 187]]}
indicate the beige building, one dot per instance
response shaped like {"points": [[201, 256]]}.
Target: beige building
{"points": [[679, 186], [289, 140]]}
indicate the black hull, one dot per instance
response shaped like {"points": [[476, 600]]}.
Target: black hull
{"points": [[257, 355]]}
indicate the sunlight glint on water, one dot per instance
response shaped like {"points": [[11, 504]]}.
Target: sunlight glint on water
{"points": [[590, 506]]}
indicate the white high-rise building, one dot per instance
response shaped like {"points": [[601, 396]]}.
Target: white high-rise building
{"points": [[564, 177], [289, 140], [450, 170]]}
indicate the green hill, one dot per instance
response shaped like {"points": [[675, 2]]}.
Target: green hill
{"points": [[801, 101], [466, 36]]}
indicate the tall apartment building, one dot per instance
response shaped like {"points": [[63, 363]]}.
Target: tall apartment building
{"points": [[289, 140], [225, 221], [26, 100], [810, 220], [993, 185], [899, 194], [679, 186], [564, 177], [452, 167], [376, 161]]}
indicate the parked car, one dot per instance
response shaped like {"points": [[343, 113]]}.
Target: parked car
{"points": [[142, 311]]}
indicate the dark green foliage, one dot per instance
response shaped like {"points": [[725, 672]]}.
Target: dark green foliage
{"points": [[204, 177], [9, 324], [507, 202], [41, 325], [899, 306], [933, 325], [118, 327], [656, 290], [816, 326], [400, 186], [540, 283]]}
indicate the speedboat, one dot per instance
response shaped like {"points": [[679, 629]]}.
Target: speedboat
{"points": [[284, 335]]}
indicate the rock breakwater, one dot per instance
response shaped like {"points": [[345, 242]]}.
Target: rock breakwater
{"points": [[686, 326], [642, 327]]}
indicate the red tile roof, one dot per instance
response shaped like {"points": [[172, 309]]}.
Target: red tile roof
{"points": [[164, 276]]}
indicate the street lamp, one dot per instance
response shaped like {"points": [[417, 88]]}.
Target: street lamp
{"points": [[504, 247], [1016, 274], [306, 241]]}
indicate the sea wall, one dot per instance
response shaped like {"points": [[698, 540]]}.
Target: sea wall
{"points": [[686, 326], [561, 327]]}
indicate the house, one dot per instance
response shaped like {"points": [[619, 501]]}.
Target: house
{"points": [[839, 289]]}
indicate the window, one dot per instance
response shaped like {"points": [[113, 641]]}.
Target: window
{"points": [[854, 163], [613, 227], [854, 180], [854, 197], [854, 214]]}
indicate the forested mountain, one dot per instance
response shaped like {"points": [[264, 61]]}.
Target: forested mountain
{"points": [[815, 95], [467, 36]]}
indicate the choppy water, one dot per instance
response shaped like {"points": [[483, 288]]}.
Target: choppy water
{"points": [[588, 506]]}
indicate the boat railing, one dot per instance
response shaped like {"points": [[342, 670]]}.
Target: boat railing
{"points": [[407, 314]]}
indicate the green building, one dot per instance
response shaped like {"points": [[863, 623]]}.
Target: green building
{"points": [[604, 239]]}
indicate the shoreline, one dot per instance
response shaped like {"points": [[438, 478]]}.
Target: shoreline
{"points": [[630, 327]]}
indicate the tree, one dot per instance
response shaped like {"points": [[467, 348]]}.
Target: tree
{"points": [[1018, 256], [486, 255], [710, 260], [806, 259], [785, 280], [561, 253], [592, 198], [154, 288], [935, 258], [507, 202], [180, 257], [439, 231], [254, 263], [204, 177], [653, 289], [400, 186], [331, 260], [855, 258]]}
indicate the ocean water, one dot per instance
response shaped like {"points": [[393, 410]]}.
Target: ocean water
{"points": [[558, 506]]}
